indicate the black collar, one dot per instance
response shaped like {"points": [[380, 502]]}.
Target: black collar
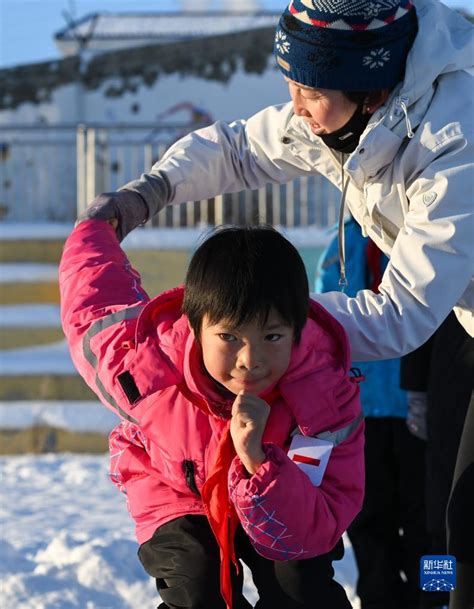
{"points": [[347, 137]]}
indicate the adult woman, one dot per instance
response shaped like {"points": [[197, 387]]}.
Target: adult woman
{"points": [[382, 106], [407, 181]]}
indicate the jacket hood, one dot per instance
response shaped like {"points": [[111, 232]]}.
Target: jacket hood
{"points": [[323, 343], [444, 43]]}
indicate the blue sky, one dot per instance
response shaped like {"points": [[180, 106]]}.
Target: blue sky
{"points": [[27, 26]]}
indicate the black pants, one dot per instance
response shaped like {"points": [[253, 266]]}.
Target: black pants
{"points": [[394, 501], [450, 381], [444, 367], [461, 517], [450, 388], [183, 557]]}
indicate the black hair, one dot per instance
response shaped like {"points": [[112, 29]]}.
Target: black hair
{"points": [[239, 273], [356, 97]]}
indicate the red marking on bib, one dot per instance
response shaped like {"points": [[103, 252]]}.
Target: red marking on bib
{"points": [[307, 460]]}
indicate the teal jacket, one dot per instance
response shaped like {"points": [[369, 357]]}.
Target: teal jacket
{"points": [[381, 395]]}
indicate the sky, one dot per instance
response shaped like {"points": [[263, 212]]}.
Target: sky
{"points": [[27, 27]]}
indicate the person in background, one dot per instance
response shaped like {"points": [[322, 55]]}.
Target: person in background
{"points": [[388, 536], [439, 378]]}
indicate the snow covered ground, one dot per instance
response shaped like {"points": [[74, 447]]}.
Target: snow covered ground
{"points": [[26, 272], [80, 416], [155, 238], [30, 315], [67, 541], [52, 358]]}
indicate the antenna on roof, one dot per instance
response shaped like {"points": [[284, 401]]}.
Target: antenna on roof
{"points": [[72, 8], [70, 18]]}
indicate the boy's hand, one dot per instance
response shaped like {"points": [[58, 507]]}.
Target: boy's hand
{"points": [[249, 418]]}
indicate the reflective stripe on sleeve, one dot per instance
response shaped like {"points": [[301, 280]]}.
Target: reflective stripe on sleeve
{"points": [[96, 328], [341, 435]]}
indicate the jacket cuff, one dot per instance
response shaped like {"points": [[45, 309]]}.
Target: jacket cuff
{"points": [[242, 483], [154, 189]]}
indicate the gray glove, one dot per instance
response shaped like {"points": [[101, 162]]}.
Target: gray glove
{"points": [[128, 206], [417, 409]]}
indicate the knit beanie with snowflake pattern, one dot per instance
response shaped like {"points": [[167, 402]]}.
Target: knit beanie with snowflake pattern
{"points": [[347, 45]]}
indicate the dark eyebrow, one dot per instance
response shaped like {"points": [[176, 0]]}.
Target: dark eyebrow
{"points": [[274, 327]]}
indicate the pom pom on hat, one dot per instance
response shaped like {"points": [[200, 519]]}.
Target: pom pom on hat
{"points": [[347, 45]]}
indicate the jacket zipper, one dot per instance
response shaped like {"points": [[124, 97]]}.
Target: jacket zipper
{"points": [[401, 104], [189, 474]]}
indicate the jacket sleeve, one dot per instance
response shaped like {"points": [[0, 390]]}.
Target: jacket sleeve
{"points": [[101, 298], [221, 158], [430, 268], [283, 513]]}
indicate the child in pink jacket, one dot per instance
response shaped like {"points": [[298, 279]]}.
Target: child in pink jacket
{"points": [[241, 433]]}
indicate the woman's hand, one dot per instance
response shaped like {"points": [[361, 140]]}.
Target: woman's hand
{"points": [[249, 418], [124, 210]]}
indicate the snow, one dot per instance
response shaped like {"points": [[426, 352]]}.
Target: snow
{"points": [[172, 26], [77, 415], [26, 272], [52, 358], [34, 230], [156, 238], [29, 315], [190, 238], [307, 236], [68, 543], [164, 238]]}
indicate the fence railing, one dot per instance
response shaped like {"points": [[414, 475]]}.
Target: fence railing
{"points": [[51, 173]]}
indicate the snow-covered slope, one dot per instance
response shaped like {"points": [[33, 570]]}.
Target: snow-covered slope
{"points": [[67, 541]]}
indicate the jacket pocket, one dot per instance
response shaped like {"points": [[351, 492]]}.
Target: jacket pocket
{"points": [[189, 474]]}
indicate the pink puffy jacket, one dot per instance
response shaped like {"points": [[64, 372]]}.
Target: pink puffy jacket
{"points": [[141, 359]]}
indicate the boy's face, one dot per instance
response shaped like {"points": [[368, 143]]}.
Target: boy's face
{"points": [[248, 357], [324, 110]]}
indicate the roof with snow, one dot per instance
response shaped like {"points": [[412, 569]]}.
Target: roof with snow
{"points": [[99, 30], [126, 68]]}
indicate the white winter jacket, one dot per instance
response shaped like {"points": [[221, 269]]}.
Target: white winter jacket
{"points": [[411, 185]]}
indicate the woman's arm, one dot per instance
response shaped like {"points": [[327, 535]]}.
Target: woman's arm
{"points": [[221, 158], [430, 268], [208, 162]]}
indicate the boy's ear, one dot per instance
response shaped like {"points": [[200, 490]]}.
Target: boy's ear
{"points": [[191, 329]]}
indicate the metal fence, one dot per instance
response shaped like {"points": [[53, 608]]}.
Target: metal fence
{"points": [[51, 173]]}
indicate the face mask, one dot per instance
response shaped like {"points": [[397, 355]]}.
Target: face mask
{"points": [[347, 137]]}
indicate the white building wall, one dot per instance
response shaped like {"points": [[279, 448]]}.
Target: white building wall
{"points": [[38, 177]]}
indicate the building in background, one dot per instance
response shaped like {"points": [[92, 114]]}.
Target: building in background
{"points": [[141, 81], [132, 67], [102, 32]]}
